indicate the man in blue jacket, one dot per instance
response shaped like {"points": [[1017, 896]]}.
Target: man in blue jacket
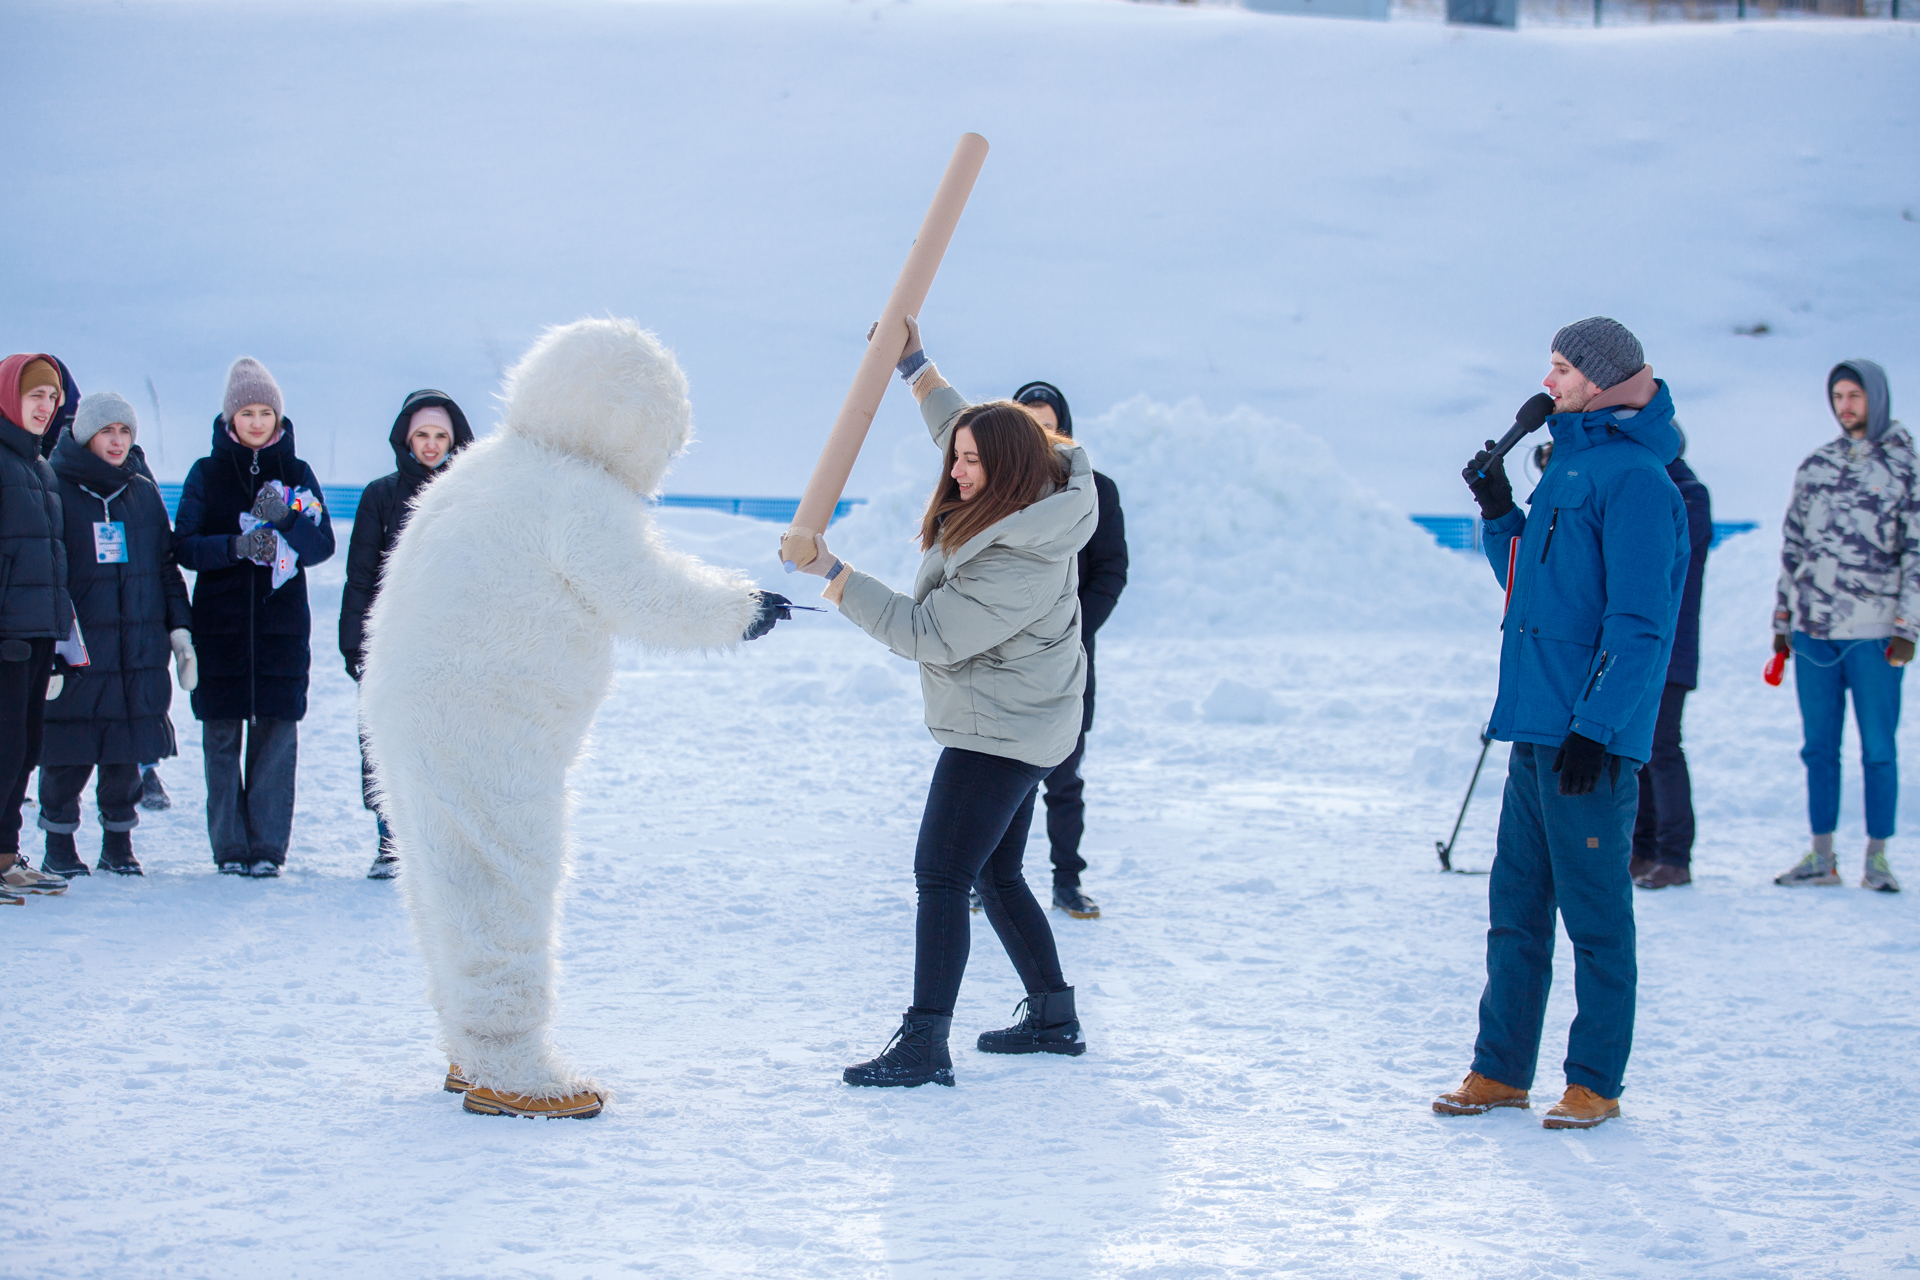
{"points": [[1594, 576]]}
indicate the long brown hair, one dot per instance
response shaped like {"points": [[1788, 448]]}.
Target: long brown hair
{"points": [[1016, 452]]}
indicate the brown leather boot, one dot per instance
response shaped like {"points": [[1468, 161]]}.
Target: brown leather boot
{"points": [[456, 1081], [492, 1102], [1665, 875], [1477, 1095], [1581, 1108]]}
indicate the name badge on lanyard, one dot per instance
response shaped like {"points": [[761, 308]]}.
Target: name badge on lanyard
{"points": [[110, 541]]}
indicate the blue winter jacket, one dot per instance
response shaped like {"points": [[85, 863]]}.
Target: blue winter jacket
{"points": [[1599, 566]]}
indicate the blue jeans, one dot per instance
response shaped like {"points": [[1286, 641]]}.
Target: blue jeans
{"points": [[1564, 853], [1823, 671]]}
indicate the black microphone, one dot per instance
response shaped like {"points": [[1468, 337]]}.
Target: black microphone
{"points": [[1532, 414]]}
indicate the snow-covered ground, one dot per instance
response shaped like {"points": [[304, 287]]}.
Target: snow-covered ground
{"points": [[226, 1078], [1364, 230]]}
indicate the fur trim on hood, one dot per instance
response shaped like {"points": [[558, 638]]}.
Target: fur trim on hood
{"points": [[606, 391]]}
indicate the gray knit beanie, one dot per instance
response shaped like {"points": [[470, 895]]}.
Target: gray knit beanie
{"points": [[248, 382], [1604, 350], [99, 409]]}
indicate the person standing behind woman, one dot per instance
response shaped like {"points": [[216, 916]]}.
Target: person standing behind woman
{"points": [[252, 636], [994, 622], [1103, 576], [429, 430], [35, 611], [132, 606]]}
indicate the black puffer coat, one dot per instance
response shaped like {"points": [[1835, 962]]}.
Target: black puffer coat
{"points": [[251, 639], [34, 604], [384, 505], [114, 710], [1103, 575]]}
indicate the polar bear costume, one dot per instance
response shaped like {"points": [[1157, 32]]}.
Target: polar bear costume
{"points": [[490, 647]]}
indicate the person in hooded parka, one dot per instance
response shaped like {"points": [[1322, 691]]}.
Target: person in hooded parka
{"points": [[131, 601], [488, 650], [428, 431], [252, 636]]}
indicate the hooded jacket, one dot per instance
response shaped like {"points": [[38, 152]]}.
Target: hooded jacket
{"points": [[1850, 544], [34, 604], [383, 510], [115, 709], [1594, 576], [995, 623], [252, 640]]}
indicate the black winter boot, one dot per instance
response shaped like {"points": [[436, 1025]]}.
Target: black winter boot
{"points": [[1049, 1026], [916, 1054], [153, 794], [116, 854], [62, 858]]}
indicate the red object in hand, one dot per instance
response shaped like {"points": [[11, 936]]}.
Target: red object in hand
{"points": [[1776, 669]]}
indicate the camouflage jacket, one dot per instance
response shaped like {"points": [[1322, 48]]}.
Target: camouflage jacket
{"points": [[1850, 554]]}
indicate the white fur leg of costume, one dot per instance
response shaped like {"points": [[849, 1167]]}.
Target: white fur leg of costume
{"points": [[490, 648]]}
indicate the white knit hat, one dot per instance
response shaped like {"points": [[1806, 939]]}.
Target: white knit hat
{"points": [[99, 409]]}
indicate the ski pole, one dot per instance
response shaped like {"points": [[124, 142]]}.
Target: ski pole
{"points": [[882, 353], [1446, 850]]}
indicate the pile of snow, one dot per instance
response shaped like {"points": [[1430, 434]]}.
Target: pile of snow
{"points": [[1237, 524]]}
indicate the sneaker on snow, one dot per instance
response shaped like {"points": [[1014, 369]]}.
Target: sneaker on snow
{"points": [[456, 1081], [490, 1102], [973, 900], [116, 854], [1069, 899], [1815, 868], [264, 869], [916, 1054], [1665, 875], [8, 898], [1637, 867], [22, 878], [234, 869], [63, 859], [153, 796], [1048, 1025], [1879, 875], [1478, 1095], [1581, 1108]]}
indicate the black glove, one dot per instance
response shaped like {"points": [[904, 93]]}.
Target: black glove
{"points": [[773, 609], [1486, 475], [269, 508], [258, 545], [355, 664], [1579, 763]]}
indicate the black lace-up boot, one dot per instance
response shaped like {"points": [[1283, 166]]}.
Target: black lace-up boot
{"points": [[916, 1054], [116, 854], [63, 859], [1049, 1025]]}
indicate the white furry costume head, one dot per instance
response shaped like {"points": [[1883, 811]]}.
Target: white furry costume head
{"points": [[607, 391]]}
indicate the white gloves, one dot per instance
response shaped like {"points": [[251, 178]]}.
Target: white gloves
{"points": [[186, 666], [55, 683]]}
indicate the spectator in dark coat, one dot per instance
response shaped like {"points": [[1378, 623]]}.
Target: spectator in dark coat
{"points": [[133, 613], [429, 430], [1103, 576], [251, 635], [35, 611], [1663, 827]]}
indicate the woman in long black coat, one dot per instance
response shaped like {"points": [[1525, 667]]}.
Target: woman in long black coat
{"points": [[251, 635], [427, 432], [132, 607]]}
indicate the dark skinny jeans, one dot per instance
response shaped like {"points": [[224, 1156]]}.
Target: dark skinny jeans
{"points": [[979, 808]]}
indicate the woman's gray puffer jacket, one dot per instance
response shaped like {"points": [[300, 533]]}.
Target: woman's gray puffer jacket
{"points": [[995, 626]]}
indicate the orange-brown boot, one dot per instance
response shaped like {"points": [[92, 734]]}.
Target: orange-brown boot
{"points": [[1478, 1095], [456, 1081], [1581, 1108], [491, 1102]]}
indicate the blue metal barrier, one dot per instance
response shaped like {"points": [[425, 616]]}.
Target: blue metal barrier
{"points": [[343, 503], [1462, 533]]}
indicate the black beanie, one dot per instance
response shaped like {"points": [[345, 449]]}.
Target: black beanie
{"points": [[1048, 394]]}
